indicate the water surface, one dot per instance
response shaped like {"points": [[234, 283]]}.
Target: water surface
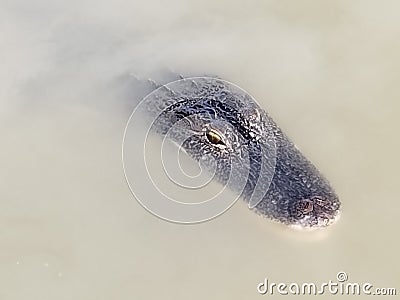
{"points": [[69, 226]]}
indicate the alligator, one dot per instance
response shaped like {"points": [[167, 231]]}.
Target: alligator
{"points": [[229, 134]]}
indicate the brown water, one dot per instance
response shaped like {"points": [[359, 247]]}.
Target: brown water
{"points": [[328, 72]]}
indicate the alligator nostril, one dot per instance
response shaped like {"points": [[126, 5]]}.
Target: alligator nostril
{"points": [[306, 206], [320, 201]]}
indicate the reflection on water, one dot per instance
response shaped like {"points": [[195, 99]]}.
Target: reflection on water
{"points": [[70, 227]]}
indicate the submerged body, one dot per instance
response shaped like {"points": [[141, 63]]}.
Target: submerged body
{"points": [[224, 129]]}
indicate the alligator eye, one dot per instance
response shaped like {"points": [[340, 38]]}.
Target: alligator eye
{"points": [[214, 138]]}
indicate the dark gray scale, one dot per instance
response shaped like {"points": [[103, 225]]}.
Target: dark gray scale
{"points": [[229, 128]]}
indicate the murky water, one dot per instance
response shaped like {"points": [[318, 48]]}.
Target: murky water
{"points": [[69, 226]]}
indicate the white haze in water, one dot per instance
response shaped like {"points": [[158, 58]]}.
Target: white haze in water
{"points": [[69, 227]]}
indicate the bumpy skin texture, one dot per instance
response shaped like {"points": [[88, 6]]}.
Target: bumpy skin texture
{"points": [[294, 191]]}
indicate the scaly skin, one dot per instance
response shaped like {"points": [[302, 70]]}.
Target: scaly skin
{"points": [[293, 190]]}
